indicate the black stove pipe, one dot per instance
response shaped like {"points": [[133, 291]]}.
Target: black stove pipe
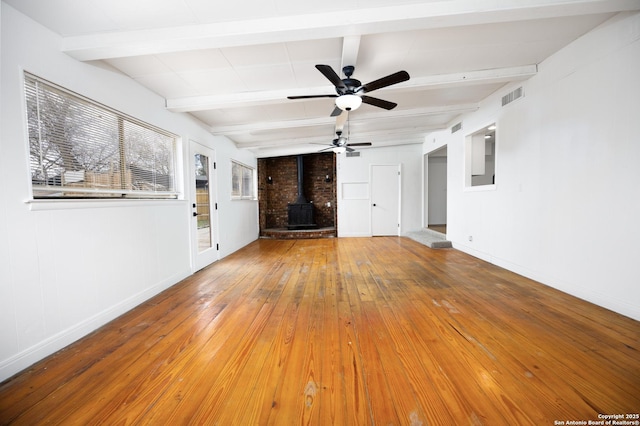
{"points": [[301, 198]]}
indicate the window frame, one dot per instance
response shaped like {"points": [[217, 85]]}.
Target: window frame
{"points": [[490, 128], [78, 196], [244, 168]]}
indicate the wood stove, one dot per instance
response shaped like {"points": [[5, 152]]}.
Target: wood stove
{"points": [[300, 213]]}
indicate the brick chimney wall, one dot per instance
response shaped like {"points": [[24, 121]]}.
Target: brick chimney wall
{"points": [[273, 198]]}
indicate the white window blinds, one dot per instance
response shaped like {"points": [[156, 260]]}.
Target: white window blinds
{"points": [[82, 149]]}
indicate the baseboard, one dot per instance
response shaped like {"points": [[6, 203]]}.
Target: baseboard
{"points": [[41, 350], [352, 235], [604, 300]]}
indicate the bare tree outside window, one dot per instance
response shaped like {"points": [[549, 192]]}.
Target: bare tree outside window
{"points": [[82, 149]]}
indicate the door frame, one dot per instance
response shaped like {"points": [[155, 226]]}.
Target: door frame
{"points": [[202, 259], [427, 195]]}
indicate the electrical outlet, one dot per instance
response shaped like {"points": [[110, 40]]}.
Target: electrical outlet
{"points": [[470, 237]]}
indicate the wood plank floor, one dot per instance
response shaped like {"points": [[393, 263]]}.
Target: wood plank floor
{"points": [[343, 331]]}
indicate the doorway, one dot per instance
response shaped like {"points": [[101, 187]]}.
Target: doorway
{"points": [[436, 188], [385, 200], [203, 207]]}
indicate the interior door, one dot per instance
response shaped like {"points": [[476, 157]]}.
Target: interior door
{"points": [[203, 206], [385, 200]]}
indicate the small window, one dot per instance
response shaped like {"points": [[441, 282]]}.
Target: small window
{"points": [[242, 182], [480, 157], [81, 149]]}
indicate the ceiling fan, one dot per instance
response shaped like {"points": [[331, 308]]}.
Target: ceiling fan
{"points": [[350, 93], [341, 144]]}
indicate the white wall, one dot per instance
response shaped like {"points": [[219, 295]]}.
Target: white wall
{"points": [[354, 213], [66, 271], [238, 222], [566, 207]]}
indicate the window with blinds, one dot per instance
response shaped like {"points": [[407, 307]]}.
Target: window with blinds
{"points": [[242, 182], [81, 149]]}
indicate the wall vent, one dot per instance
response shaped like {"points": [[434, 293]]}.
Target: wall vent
{"points": [[353, 154], [512, 96], [456, 127]]}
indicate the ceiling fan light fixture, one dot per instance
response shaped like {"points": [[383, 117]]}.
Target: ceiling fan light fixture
{"points": [[348, 102], [340, 149]]}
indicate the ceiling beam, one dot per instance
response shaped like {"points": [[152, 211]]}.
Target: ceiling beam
{"points": [[244, 99], [350, 48], [256, 129], [237, 100], [295, 149], [262, 129], [328, 25], [393, 137], [497, 75]]}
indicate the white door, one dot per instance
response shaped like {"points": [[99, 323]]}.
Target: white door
{"points": [[203, 206], [385, 200]]}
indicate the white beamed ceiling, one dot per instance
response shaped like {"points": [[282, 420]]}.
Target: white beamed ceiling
{"points": [[233, 64]]}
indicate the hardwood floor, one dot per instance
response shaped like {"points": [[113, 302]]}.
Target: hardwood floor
{"points": [[342, 331]]}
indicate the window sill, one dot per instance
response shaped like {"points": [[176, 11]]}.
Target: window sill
{"points": [[42, 205], [480, 188]]}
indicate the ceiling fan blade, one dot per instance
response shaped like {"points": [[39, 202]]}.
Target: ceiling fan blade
{"points": [[349, 149], [389, 80], [312, 96], [359, 144], [331, 75], [380, 103], [336, 112]]}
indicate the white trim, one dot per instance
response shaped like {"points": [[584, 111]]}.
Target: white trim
{"points": [[48, 346], [202, 259], [254, 183], [621, 306], [466, 169], [42, 205], [481, 188]]}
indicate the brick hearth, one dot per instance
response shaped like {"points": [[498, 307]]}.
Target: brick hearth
{"points": [[288, 234]]}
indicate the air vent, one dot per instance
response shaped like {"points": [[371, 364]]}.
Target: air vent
{"points": [[456, 127], [353, 154], [512, 96]]}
